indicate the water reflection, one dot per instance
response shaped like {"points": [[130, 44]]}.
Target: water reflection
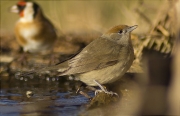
{"points": [[47, 96]]}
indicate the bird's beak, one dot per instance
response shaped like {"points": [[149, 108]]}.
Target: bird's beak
{"points": [[14, 9], [131, 28]]}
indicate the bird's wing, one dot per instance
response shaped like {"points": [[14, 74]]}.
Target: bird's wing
{"points": [[99, 54]]}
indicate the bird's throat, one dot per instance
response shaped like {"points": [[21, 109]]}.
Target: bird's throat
{"points": [[21, 14]]}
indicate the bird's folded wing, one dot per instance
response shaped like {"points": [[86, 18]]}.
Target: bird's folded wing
{"points": [[99, 54]]}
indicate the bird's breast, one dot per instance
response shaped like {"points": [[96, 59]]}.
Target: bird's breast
{"points": [[27, 30]]}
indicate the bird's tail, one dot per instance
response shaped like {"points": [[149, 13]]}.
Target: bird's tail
{"points": [[62, 67]]}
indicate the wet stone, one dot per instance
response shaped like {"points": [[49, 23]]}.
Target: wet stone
{"points": [[103, 99]]}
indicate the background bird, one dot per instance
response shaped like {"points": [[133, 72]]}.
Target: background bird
{"points": [[33, 31], [103, 61]]}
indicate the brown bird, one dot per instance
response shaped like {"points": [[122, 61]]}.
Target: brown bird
{"points": [[103, 61], [33, 31]]}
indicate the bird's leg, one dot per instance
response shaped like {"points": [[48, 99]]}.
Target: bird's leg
{"points": [[103, 89], [83, 93], [79, 88], [86, 86], [23, 58]]}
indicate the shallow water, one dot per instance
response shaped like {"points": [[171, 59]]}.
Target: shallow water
{"points": [[50, 96]]}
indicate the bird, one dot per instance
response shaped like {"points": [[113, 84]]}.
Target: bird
{"points": [[33, 31], [103, 61]]}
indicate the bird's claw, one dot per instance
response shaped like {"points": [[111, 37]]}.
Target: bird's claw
{"points": [[107, 92], [104, 90]]}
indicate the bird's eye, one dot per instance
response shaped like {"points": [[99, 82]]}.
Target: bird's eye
{"points": [[120, 32]]}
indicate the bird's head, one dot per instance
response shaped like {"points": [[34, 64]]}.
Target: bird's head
{"points": [[120, 33], [26, 9]]}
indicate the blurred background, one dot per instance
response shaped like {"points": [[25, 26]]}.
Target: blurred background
{"points": [[156, 46], [78, 16], [79, 22]]}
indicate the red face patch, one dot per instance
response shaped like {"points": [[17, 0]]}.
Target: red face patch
{"points": [[21, 6], [21, 3]]}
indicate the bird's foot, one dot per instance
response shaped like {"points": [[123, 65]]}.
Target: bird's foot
{"points": [[103, 89]]}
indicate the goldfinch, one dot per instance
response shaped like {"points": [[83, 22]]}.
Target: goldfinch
{"points": [[33, 31]]}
